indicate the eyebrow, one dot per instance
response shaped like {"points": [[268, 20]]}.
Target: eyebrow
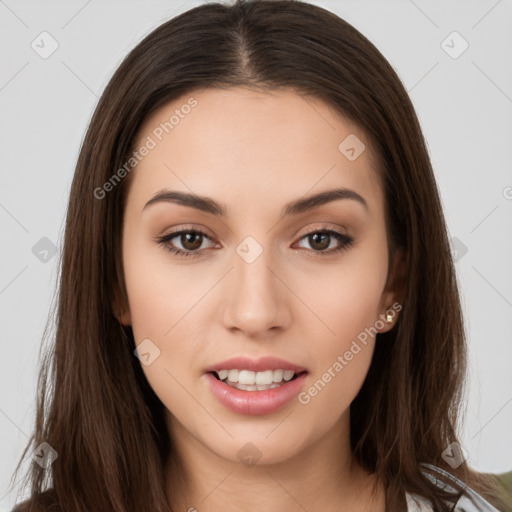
{"points": [[208, 205]]}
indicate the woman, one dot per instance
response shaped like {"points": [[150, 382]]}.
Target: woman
{"points": [[258, 306]]}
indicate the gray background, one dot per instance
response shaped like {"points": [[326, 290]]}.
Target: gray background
{"points": [[464, 105]]}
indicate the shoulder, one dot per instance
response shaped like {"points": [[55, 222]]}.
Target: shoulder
{"points": [[416, 503], [471, 501]]}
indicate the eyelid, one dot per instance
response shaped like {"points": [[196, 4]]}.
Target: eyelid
{"points": [[189, 227], [325, 226]]}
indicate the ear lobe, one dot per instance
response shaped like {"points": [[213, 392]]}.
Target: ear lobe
{"points": [[392, 297], [124, 317]]}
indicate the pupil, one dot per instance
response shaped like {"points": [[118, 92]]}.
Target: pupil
{"points": [[185, 240], [315, 238]]}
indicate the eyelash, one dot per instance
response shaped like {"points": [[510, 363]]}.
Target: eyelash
{"points": [[164, 241]]}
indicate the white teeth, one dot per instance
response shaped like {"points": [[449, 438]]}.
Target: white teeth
{"points": [[245, 387], [250, 378], [265, 378], [288, 374], [246, 377], [233, 375], [278, 375]]}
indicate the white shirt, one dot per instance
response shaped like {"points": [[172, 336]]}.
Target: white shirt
{"points": [[416, 503], [470, 502]]}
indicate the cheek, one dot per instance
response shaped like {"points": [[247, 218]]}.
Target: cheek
{"points": [[347, 298], [161, 307], [162, 302], [330, 391], [342, 354], [159, 293]]}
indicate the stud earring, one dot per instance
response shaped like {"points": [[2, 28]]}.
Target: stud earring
{"points": [[389, 317]]}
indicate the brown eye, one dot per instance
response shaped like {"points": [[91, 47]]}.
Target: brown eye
{"points": [[190, 240], [320, 241]]}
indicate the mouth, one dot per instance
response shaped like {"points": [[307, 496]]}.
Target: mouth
{"points": [[259, 396], [247, 380], [249, 386]]}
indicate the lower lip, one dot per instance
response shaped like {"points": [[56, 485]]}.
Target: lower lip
{"points": [[256, 402]]}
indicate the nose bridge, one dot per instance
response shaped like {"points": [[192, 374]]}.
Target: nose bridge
{"points": [[255, 301]]}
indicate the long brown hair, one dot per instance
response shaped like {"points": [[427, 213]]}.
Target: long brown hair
{"points": [[95, 406]]}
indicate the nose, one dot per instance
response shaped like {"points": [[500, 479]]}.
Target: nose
{"points": [[255, 298]]}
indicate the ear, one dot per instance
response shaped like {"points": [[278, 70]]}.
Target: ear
{"points": [[124, 317], [393, 294], [121, 310]]}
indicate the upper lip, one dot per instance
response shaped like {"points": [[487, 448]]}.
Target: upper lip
{"points": [[255, 365]]}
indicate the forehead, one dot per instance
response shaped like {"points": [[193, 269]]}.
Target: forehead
{"points": [[252, 147]]}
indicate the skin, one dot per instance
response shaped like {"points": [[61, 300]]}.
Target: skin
{"points": [[254, 152]]}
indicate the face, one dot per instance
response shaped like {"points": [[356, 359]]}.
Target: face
{"points": [[254, 277]]}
